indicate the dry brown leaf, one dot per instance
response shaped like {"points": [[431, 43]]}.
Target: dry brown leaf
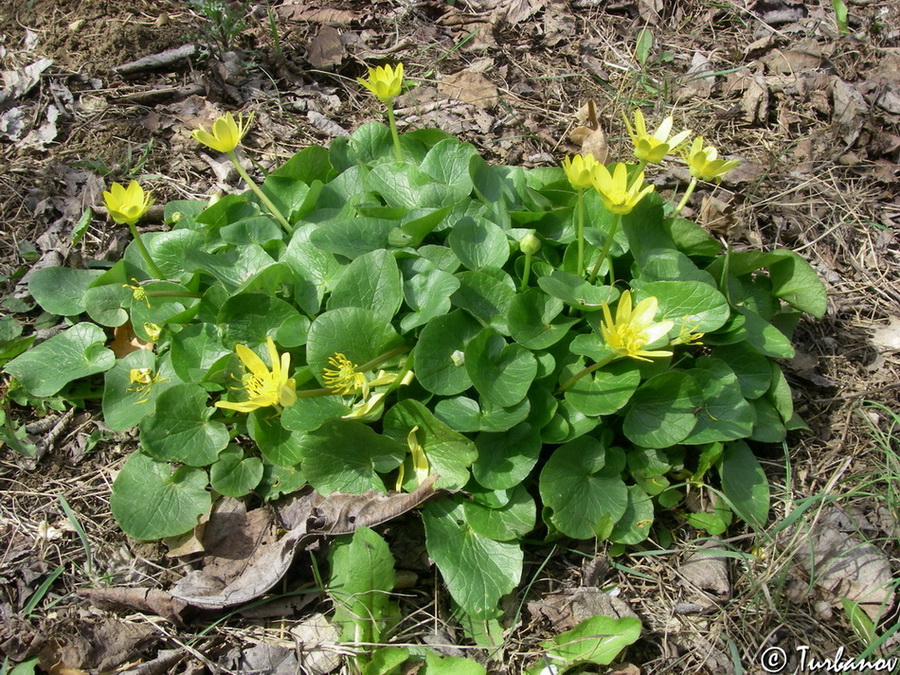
{"points": [[700, 76], [841, 565], [888, 337], [755, 102], [325, 50], [470, 87], [707, 569], [17, 83], [807, 55], [125, 341], [300, 11], [142, 599], [310, 516], [516, 11], [566, 609], [625, 669], [318, 643]]}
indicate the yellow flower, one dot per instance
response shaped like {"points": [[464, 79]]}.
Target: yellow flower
{"points": [[142, 379], [343, 378], [126, 205], [617, 195], [264, 387], [226, 133], [138, 292], [580, 170], [417, 459], [653, 147], [634, 328], [152, 330], [384, 82], [686, 334], [704, 163]]}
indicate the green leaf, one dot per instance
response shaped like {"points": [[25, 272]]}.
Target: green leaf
{"points": [[662, 410], [486, 295], [427, 292], [770, 428], [104, 304], [477, 571], [386, 661], [642, 46], [371, 142], [315, 270], [362, 578], [233, 267], [725, 415], [371, 281], [448, 163], [308, 414], [75, 353], [250, 318], [150, 500], [233, 474], [694, 304], [708, 522], [279, 480], [125, 404], [180, 429], [744, 484], [464, 414], [763, 336], [357, 333], [605, 391], [196, 349], [509, 522], [501, 372], [584, 500], [598, 639], [506, 459], [352, 237], [451, 665], [531, 316], [752, 369], [450, 454], [60, 290], [691, 239], [439, 356], [634, 525], [346, 456], [278, 445], [575, 291], [862, 625], [479, 243], [670, 265]]}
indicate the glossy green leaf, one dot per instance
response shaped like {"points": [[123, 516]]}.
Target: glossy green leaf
{"points": [[662, 411], [233, 474], [605, 391], [478, 571], [465, 414], [531, 319], [745, 484], [347, 456], [75, 353], [479, 243], [60, 290], [506, 459], [439, 357], [509, 522], [180, 429], [583, 499], [599, 639], [152, 500], [725, 414], [500, 372]]}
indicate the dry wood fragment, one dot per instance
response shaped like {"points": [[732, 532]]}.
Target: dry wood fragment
{"points": [[170, 58]]}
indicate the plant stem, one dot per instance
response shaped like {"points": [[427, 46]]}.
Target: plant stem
{"points": [[687, 195], [640, 169], [612, 233], [526, 272], [580, 231], [286, 226], [398, 151], [145, 254], [381, 358], [586, 371]]}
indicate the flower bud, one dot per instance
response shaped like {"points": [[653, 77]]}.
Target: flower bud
{"points": [[530, 244]]}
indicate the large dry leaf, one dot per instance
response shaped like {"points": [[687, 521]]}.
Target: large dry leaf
{"points": [[470, 87], [300, 11], [326, 50], [887, 337], [566, 609], [517, 11], [100, 646], [841, 565], [318, 642], [707, 570], [17, 83], [310, 517], [142, 599]]}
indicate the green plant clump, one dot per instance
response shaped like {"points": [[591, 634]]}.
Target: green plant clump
{"points": [[569, 360]]}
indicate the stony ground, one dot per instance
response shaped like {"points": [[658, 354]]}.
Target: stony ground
{"points": [[813, 114]]}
